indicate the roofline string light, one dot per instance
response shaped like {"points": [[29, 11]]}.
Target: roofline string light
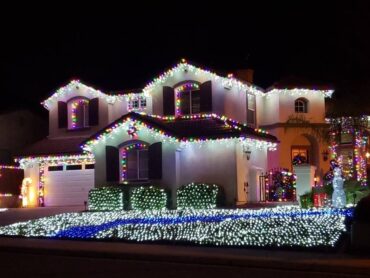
{"points": [[126, 123], [183, 66], [44, 161]]}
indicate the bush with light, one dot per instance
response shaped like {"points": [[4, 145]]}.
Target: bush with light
{"points": [[197, 196], [152, 198], [105, 199]]}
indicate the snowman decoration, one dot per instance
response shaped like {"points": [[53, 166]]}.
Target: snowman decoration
{"points": [[339, 197]]}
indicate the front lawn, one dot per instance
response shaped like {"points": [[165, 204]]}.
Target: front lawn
{"points": [[275, 227]]}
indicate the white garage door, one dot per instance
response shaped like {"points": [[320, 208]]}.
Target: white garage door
{"points": [[67, 185]]}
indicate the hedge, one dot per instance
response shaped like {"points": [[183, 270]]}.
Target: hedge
{"points": [[106, 199], [198, 196], [152, 198]]}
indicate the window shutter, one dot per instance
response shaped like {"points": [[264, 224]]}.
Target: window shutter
{"points": [[155, 161], [112, 163], [62, 114], [206, 97], [168, 101], [94, 112]]}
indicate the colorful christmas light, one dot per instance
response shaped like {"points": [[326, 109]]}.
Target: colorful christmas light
{"points": [[354, 167], [126, 123], [6, 195], [75, 105], [44, 161], [124, 150], [183, 66], [188, 86], [11, 167]]}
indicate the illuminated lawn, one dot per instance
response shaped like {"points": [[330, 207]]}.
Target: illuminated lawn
{"points": [[282, 226]]}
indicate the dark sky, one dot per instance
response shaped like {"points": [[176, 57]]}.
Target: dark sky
{"points": [[125, 46]]}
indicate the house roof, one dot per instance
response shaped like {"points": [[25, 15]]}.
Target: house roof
{"points": [[292, 82], [289, 83], [48, 146], [188, 128]]}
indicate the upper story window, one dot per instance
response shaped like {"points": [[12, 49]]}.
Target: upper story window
{"points": [[136, 103], [251, 109], [78, 113], [301, 105], [187, 98]]}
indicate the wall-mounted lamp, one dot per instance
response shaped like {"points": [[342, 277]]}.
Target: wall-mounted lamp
{"points": [[247, 151], [325, 155]]}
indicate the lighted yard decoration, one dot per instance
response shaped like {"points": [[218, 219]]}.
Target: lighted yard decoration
{"points": [[25, 192], [288, 226], [339, 197]]}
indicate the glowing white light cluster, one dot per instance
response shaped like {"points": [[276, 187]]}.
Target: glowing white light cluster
{"points": [[3, 209], [197, 196], [152, 197], [297, 92], [281, 226], [105, 199]]}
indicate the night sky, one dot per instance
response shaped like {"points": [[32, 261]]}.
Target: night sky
{"points": [[125, 47]]}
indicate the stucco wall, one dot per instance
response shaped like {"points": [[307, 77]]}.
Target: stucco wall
{"points": [[210, 163], [292, 136], [277, 108]]}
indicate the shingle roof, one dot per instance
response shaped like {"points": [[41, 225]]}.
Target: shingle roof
{"points": [[292, 82], [53, 147], [184, 128]]}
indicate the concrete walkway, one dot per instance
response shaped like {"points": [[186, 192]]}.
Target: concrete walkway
{"points": [[14, 215], [65, 258]]}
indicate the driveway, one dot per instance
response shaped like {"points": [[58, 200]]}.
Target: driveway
{"points": [[14, 215]]}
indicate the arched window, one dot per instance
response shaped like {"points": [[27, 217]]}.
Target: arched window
{"points": [[78, 113], [187, 98], [301, 105], [134, 161]]}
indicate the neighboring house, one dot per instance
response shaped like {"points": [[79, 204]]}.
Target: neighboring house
{"points": [[349, 143], [187, 125], [19, 128], [294, 111]]}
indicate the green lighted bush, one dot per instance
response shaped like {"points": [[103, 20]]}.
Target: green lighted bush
{"points": [[151, 197], [306, 200], [105, 199], [197, 196]]}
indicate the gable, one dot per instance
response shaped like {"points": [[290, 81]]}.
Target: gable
{"points": [[73, 89], [185, 129], [184, 71]]}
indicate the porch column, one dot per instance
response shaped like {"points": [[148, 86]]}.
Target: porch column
{"points": [[305, 178], [242, 173]]}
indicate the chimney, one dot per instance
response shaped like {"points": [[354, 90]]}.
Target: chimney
{"points": [[245, 75]]}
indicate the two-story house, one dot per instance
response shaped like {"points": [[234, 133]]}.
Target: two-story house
{"points": [[187, 125]]}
